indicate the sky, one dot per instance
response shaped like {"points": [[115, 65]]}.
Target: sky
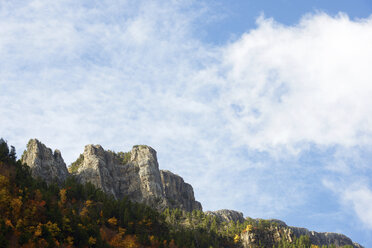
{"points": [[263, 106]]}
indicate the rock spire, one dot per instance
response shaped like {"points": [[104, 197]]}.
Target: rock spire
{"points": [[44, 163]]}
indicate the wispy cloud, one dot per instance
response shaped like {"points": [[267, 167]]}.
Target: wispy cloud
{"points": [[356, 196], [361, 201]]}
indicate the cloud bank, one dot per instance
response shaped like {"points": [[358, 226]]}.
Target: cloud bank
{"points": [[309, 83], [249, 124]]}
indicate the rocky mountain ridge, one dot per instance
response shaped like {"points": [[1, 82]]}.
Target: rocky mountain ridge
{"points": [[277, 230], [138, 178], [136, 175], [274, 231]]}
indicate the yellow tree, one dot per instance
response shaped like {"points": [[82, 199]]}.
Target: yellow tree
{"points": [[112, 221], [249, 228], [236, 238]]}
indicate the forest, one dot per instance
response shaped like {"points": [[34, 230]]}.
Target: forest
{"points": [[34, 214]]}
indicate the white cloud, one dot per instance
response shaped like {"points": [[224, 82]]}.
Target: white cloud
{"points": [[309, 83]]}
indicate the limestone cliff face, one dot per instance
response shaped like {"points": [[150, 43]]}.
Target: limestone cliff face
{"points": [[98, 168], [177, 192], [144, 158], [227, 215], [139, 178], [271, 235], [44, 163]]}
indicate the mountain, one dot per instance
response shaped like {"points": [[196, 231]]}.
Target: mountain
{"points": [[135, 175]]}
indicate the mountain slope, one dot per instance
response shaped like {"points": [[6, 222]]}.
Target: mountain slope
{"points": [[105, 202]]}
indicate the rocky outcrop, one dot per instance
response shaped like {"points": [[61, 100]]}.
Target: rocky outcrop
{"points": [[44, 163], [323, 238], [135, 175], [98, 168], [177, 192], [139, 178], [273, 231], [264, 237], [227, 215]]}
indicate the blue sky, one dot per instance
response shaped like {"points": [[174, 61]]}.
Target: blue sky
{"points": [[264, 106]]}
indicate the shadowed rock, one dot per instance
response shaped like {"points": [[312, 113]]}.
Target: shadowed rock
{"points": [[177, 192]]}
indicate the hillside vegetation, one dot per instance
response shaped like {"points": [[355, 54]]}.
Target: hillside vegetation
{"points": [[34, 214]]}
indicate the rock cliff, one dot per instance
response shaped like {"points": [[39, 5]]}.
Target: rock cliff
{"points": [[321, 238], [138, 178], [227, 215], [274, 231], [135, 174], [44, 163], [177, 192]]}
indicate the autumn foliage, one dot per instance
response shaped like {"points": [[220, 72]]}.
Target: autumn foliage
{"points": [[34, 214]]}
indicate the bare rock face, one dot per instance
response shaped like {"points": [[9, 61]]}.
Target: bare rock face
{"points": [[267, 237], [98, 168], [139, 178], [278, 231], [144, 158], [44, 163], [177, 192], [227, 215], [323, 238]]}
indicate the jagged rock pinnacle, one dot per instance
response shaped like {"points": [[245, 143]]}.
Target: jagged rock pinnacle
{"points": [[135, 175], [44, 163]]}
